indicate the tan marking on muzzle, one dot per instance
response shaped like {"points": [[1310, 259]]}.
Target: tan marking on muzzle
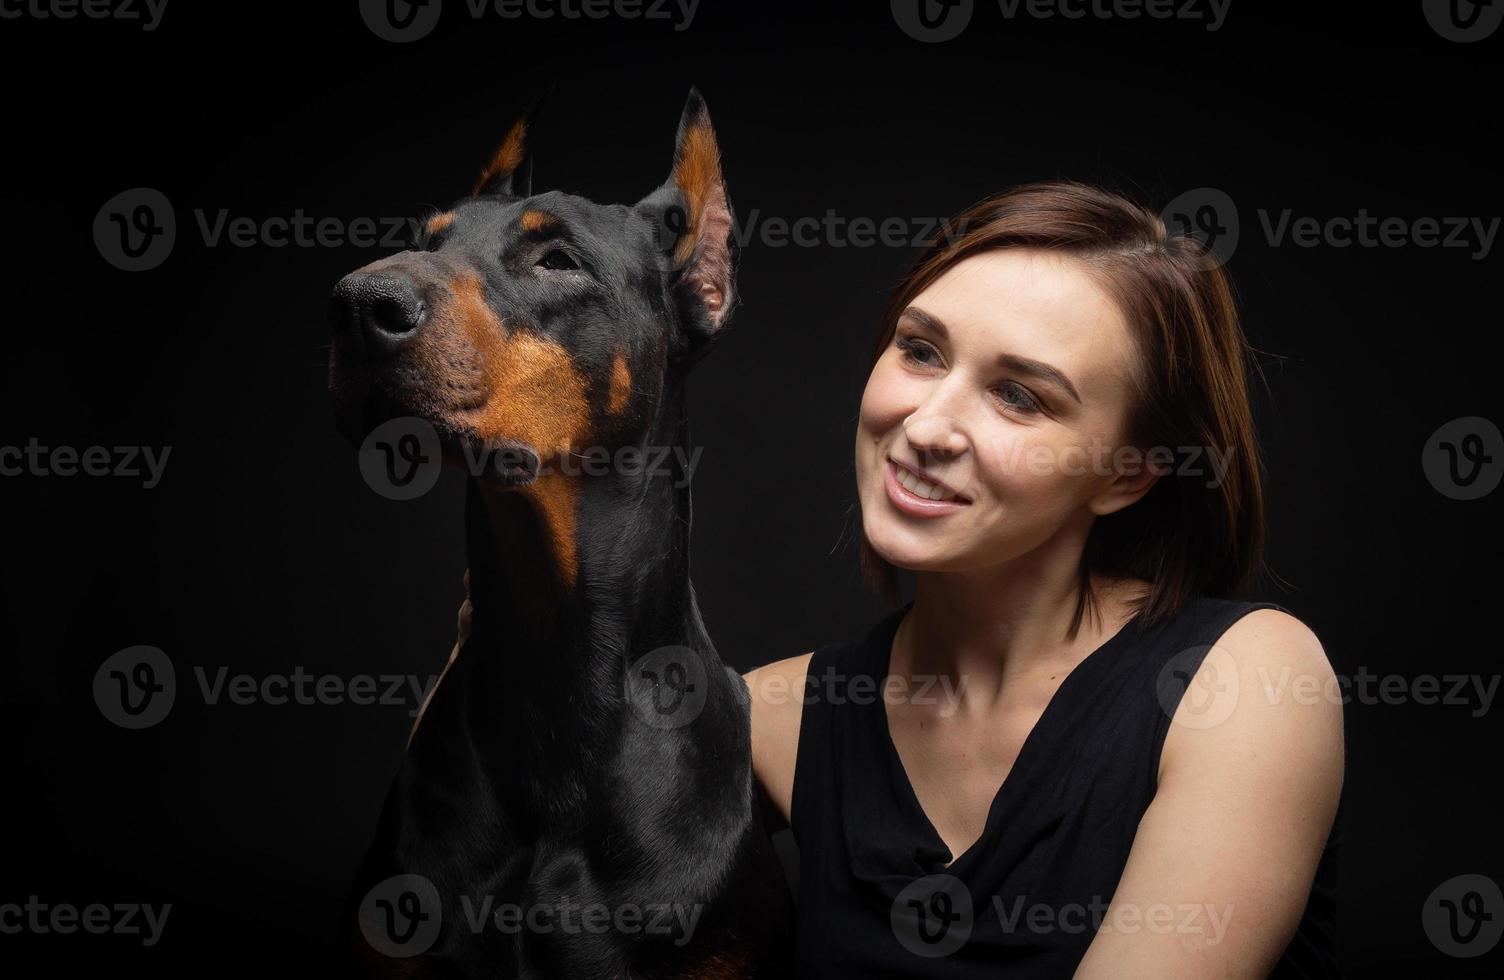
{"points": [[537, 397]]}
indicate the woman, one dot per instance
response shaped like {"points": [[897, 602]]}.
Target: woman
{"points": [[1072, 758], [1067, 755]]}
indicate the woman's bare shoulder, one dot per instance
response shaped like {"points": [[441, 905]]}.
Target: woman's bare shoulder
{"points": [[777, 691]]}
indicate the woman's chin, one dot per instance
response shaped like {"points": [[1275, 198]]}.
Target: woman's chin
{"points": [[891, 546]]}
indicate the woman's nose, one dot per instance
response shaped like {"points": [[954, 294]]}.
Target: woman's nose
{"points": [[937, 435]]}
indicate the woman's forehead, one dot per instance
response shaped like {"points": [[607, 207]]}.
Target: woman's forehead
{"points": [[1032, 303]]}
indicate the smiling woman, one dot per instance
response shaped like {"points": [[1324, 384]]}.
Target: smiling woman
{"points": [[1091, 797]]}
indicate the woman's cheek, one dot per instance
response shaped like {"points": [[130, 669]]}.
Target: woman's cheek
{"points": [[1020, 469]]}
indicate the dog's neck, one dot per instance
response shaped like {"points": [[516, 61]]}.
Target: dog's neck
{"points": [[544, 673]]}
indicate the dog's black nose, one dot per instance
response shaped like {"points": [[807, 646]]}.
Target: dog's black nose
{"points": [[375, 314]]}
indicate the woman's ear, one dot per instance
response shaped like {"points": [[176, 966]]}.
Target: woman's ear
{"points": [[1128, 487], [693, 226]]}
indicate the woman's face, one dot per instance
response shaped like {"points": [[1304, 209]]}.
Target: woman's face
{"points": [[1007, 381]]}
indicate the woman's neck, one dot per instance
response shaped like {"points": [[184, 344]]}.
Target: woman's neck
{"points": [[994, 628]]}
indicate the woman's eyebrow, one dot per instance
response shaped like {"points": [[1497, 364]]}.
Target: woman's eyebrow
{"points": [[1013, 362]]}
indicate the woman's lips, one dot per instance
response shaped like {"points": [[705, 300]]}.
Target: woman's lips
{"points": [[911, 503]]}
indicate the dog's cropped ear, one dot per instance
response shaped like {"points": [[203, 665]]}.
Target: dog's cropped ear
{"points": [[693, 225], [510, 170]]}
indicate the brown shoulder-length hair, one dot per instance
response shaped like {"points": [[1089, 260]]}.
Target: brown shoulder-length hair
{"points": [[1189, 388]]}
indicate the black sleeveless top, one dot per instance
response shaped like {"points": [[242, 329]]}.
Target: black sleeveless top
{"points": [[875, 896]]}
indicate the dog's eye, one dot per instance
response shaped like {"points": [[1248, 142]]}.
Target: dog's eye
{"points": [[558, 259]]}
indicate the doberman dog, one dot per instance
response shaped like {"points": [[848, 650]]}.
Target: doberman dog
{"points": [[577, 797]]}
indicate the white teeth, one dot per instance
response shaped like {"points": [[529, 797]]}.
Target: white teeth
{"points": [[919, 487]]}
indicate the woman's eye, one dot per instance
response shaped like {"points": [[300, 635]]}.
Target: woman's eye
{"points": [[1012, 394], [912, 347], [1021, 399], [558, 259]]}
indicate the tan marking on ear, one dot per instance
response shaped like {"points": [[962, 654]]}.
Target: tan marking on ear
{"points": [[537, 397], [697, 172], [439, 222], [621, 385], [537, 220], [508, 156]]}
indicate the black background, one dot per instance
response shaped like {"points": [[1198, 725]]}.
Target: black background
{"points": [[263, 550]]}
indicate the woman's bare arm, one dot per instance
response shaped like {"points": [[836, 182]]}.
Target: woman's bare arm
{"points": [[1250, 775], [777, 691]]}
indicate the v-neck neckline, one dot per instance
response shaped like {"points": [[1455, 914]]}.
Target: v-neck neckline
{"points": [[883, 667]]}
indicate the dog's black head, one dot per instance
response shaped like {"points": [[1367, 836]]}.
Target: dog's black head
{"points": [[540, 322]]}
